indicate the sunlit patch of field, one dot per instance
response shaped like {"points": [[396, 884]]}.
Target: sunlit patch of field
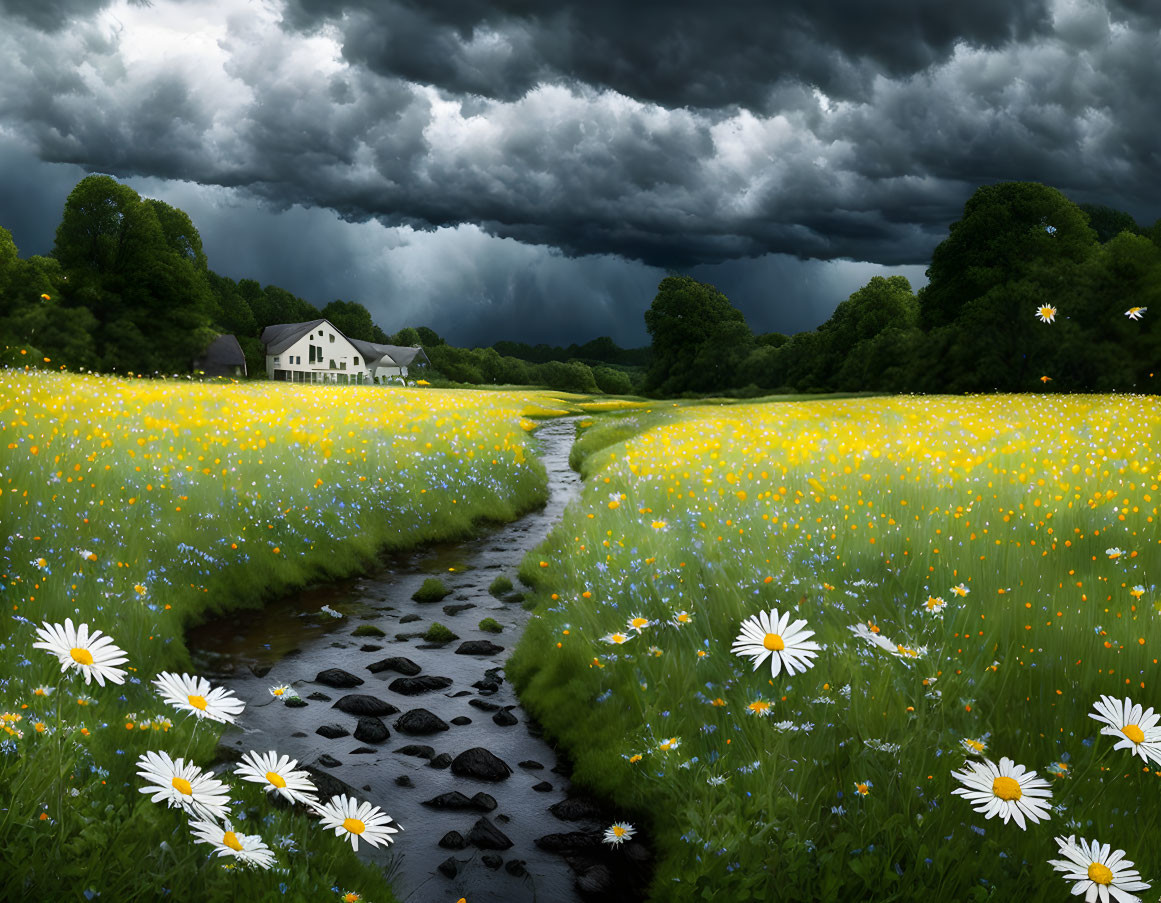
{"points": [[974, 569], [139, 507]]}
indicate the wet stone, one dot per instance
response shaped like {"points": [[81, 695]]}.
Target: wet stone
{"points": [[461, 720], [492, 861], [486, 836], [409, 619], [319, 697], [370, 647], [484, 706], [371, 730], [505, 718], [328, 785], [575, 808], [542, 787], [418, 750], [260, 670], [338, 678], [595, 880], [362, 750], [295, 702], [485, 802], [443, 760], [452, 800], [449, 868], [458, 694], [456, 609], [327, 761], [531, 764], [361, 704], [404, 781], [480, 764], [453, 840], [299, 734], [479, 647], [486, 686], [515, 868], [396, 663], [420, 722], [570, 842], [332, 731], [413, 686]]}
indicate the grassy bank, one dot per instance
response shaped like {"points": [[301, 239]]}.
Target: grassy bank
{"points": [[1001, 556], [141, 507]]}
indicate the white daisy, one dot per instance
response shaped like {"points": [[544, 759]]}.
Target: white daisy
{"points": [[357, 820], [194, 694], [681, 619], [638, 623], [935, 605], [1134, 728], [1046, 313], [94, 655], [249, 849], [863, 632], [282, 690], [277, 773], [771, 635], [183, 786], [1007, 790], [1097, 871], [617, 638], [618, 832], [1134, 313]]}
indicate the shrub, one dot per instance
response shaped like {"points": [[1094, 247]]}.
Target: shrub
{"points": [[491, 625], [500, 586], [437, 633], [367, 630], [433, 590]]}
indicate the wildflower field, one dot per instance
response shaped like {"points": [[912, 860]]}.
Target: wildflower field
{"points": [[888, 649], [132, 509]]}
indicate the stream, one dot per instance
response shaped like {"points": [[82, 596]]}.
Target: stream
{"points": [[505, 831]]}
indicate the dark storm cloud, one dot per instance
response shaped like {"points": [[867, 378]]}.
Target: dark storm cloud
{"points": [[674, 53], [681, 136]]}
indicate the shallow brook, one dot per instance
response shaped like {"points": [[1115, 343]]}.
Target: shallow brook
{"points": [[293, 641]]}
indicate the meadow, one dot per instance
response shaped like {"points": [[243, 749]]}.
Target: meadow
{"points": [[977, 573], [139, 507]]}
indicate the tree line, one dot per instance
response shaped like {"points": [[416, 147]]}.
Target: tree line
{"points": [[1029, 291]]}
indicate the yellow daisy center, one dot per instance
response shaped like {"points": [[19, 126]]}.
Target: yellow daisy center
{"points": [[198, 702], [773, 642], [230, 839], [1134, 733], [1007, 788], [354, 826], [276, 779], [81, 656], [181, 785], [618, 831], [1100, 874], [278, 691]]}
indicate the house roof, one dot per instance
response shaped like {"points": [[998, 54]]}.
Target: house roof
{"points": [[279, 337], [373, 353], [405, 356], [223, 351]]}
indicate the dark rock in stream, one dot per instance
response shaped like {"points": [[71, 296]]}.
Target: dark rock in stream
{"points": [[443, 760], [481, 802], [480, 764], [260, 670], [449, 868], [531, 764], [515, 868], [363, 750], [417, 750], [453, 840], [396, 663], [486, 836], [456, 609], [484, 706], [319, 697], [361, 704], [404, 781], [505, 718], [485, 802], [479, 647], [327, 761], [338, 678], [332, 731], [420, 722], [492, 861], [486, 686], [299, 734], [461, 720], [575, 808], [408, 619], [370, 647], [570, 842], [413, 686], [597, 879], [328, 785], [295, 702], [371, 730], [542, 787]]}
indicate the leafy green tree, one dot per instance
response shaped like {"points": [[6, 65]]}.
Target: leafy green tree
{"points": [[1010, 231], [612, 381], [352, 319], [699, 338], [1107, 222], [406, 337], [428, 337]]}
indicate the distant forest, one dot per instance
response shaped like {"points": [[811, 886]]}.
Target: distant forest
{"points": [[1029, 291]]}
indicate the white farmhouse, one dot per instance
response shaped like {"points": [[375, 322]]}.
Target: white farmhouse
{"points": [[389, 363], [314, 352]]}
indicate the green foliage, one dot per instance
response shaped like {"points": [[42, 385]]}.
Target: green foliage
{"points": [[500, 585], [699, 338], [612, 381], [491, 625], [437, 633], [368, 630], [354, 321], [432, 590], [1108, 223]]}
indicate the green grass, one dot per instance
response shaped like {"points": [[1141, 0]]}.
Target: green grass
{"points": [[500, 585], [491, 625], [437, 633], [188, 500], [432, 590], [847, 513]]}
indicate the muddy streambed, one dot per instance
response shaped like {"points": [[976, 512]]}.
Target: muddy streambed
{"points": [[503, 831]]}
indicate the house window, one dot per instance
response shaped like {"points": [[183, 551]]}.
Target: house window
{"points": [[277, 359], [356, 360], [332, 338]]}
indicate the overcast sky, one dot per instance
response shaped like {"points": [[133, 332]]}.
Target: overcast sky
{"points": [[530, 169]]}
